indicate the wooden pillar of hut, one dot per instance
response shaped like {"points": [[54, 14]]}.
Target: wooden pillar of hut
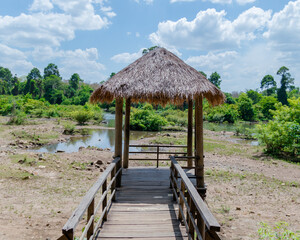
{"points": [[190, 133], [127, 134], [199, 158], [118, 135]]}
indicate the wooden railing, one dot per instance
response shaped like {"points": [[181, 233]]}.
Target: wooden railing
{"points": [[158, 152], [87, 204], [193, 211]]}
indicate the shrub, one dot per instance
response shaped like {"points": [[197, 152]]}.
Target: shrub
{"points": [[245, 107], [82, 116], [279, 232], [17, 118], [225, 113], [69, 129], [146, 120]]}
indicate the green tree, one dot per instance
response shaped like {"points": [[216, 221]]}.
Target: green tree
{"points": [[215, 78], [16, 86], [268, 103], [254, 96], [269, 84], [286, 82], [51, 69], [245, 107], [74, 81], [5, 80], [51, 84], [203, 73]]}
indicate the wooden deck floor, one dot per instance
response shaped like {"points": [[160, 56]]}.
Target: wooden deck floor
{"points": [[144, 208]]}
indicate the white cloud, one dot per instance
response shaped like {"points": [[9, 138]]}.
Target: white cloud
{"points": [[145, 1], [210, 30], [212, 1], [174, 1], [213, 61], [284, 28], [14, 59], [84, 62], [50, 28], [108, 11], [243, 2], [41, 5], [127, 57]]}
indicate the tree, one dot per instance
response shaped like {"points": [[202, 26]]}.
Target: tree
{"points": [[203, 73], [32, 78], [269, 84], [51, 69], [245, 107], [254, 96], [6, 80], [34, 74], [16, 86], [51, 84], [286, 82], [215, 78]]}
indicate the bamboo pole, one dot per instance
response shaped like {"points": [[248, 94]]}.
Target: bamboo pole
{"points": [[199, 147], [118, 136], [127, 134], [190, 133]]}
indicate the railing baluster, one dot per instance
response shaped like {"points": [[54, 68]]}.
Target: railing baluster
{"points": [[181, 202], [104, 203], [113, 186], [157, 162], [90, 213]]}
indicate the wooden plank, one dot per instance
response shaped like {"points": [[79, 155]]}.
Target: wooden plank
{"points": [[190, 133], [118, 135]]}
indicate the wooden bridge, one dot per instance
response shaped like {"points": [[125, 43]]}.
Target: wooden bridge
{"points": [[152, 203]]}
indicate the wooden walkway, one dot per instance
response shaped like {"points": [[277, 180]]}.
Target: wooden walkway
{"points": [[144, 208]]}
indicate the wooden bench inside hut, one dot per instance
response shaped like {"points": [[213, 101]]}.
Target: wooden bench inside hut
{"points": [[151, 202]]}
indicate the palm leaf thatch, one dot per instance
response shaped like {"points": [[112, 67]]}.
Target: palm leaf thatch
{"points": [[158, 77]]}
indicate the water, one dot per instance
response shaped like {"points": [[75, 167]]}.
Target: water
{"points": [[100, 138]]}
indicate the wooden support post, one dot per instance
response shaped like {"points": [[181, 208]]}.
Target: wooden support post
{"points": [[118, 136], [104, 203], [69, 235], [190, 134], [127, 134], [90, 213], [199, 147]]}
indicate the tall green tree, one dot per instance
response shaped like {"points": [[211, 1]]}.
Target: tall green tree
{"points": [[51, 69], [52, 85], [74, 81], [286, 82], [269, 84], [32, 78], [245, 107], [5, 80], [215, 78]]}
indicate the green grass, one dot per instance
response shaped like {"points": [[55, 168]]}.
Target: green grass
{"points": [[14, 173], [41, 138]]}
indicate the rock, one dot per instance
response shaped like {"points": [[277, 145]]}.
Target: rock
{"points": [[21, 161], [101, 170], [99, 162], [238, 209], [42, 166], [99, 140], [60, 151], [80, 148], [41, 156]]}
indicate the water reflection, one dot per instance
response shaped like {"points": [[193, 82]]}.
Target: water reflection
{"points": [[101, 138]]}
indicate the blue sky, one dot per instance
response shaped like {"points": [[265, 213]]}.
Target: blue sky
{"points": [[242, 40]]}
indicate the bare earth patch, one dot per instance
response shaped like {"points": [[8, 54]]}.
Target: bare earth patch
{"points": [[39, 192]]}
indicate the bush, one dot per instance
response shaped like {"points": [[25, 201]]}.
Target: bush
{"points": [[69, 129], [225, 113], [278, 232], [82, 116], [17, 118], [282, 134], [245, 107], [146, 120]]}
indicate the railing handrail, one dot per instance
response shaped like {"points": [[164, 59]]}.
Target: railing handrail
{"points": [[158, 145], [210, 221], [78, 213]]}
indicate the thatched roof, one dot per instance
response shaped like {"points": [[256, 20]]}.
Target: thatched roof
{"points": [[158, 77]]}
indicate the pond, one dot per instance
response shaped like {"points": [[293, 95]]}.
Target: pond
{"points": [[100, 138], [105, 138]]}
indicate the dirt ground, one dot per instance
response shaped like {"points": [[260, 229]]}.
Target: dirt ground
{"points": [[38, 192]]}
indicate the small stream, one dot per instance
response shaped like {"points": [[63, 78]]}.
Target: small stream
{"points": [[105, 138]]}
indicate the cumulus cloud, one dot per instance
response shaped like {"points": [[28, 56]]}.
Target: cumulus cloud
{"points": [[243, 2], [127, 57], [41, 5], [284, 27], [84, 62], [51, 28], [14, 59], [210, 30], [213, 61]]}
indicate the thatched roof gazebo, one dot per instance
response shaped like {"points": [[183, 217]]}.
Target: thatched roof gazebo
{"points": [[160, 77]]}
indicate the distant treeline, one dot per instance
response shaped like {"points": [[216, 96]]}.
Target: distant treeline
{"points": [[49, 86]]}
